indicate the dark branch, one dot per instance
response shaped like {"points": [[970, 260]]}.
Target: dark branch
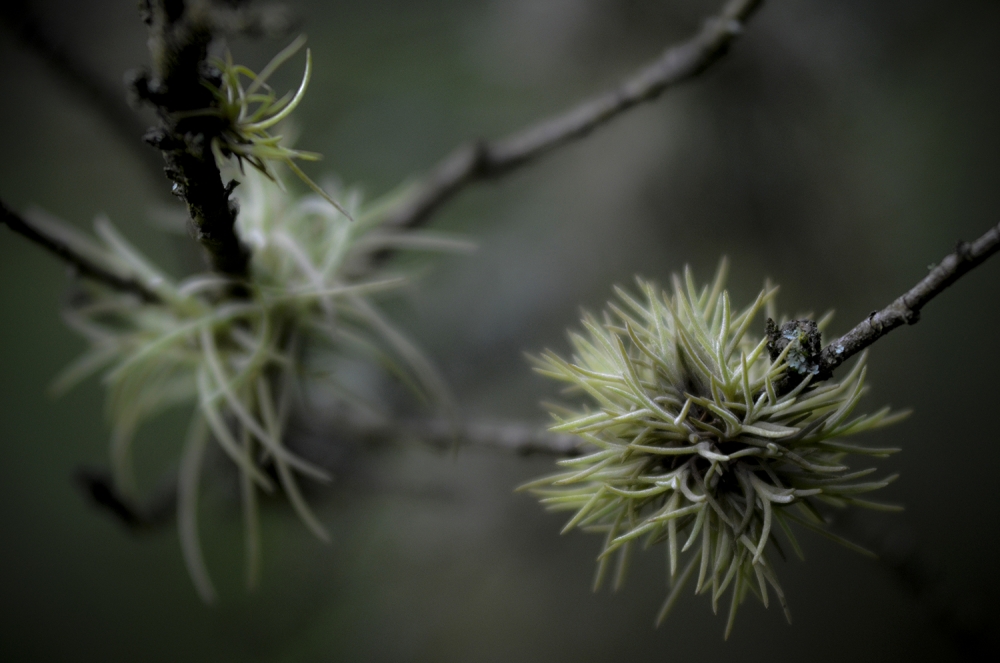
{"points": [[179, 35], [82, 265], [98, 486], [906, 309], [523, 439], [487, 160]]}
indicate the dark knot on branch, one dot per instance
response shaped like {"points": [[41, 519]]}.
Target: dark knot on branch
{"points": [[803, 358]]}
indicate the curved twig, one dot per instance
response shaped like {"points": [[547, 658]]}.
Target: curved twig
{"points": [[483, 160]]}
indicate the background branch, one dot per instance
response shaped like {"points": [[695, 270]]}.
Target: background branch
{"points": [[483, 160], [82, 265], [98, 487], [906, 308], [447, 433], [518, 438]]}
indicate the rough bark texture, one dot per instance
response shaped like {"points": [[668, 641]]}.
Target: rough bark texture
{"points": [[803, 358], [906, 308], [179, 36]]}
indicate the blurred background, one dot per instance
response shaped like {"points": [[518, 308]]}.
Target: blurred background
{"points": [[839, 149]]}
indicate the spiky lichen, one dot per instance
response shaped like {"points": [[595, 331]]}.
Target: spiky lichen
{"points": [[242, 362], [699, 440], [247, 115]]}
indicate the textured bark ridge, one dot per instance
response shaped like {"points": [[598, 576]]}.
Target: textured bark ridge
{"points": [[803, 357], [179, 36], [906, 308]]}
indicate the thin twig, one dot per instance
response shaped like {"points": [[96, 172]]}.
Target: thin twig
{"points": [[523, 439], [447, 433], [440, 434], [517, 438], [483, 160], [906, 308], [82, 265]]}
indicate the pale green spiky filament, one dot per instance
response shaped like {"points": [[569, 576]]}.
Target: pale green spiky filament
{"points": [[694, 445], [241, 362], [249, 113]]}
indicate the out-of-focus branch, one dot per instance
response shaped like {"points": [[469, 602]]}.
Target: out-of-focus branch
{"points": [[517, 438], [99, 487], [255, 19], [906, 308], [179, 35], [446, 433], [108, 101], [483, 160], [81, 264], [441, 434]]}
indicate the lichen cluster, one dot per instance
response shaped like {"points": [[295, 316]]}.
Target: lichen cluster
{"points": [[241, 360], [248, 113], [700, 440]]}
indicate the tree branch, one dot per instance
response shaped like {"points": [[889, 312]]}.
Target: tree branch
{"points": [[906, 308], [525, 439], [521, 439], [483, 160], [82, 265], [446, 433], [98, 486], [179, 35]]}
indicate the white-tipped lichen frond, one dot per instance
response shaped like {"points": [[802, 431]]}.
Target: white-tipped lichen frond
{"points": [[696, 442], [242, 362], [249, 109]]}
